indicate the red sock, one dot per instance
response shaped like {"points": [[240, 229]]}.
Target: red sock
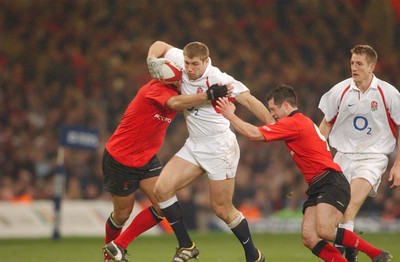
{"points": [[141, 223], [329, 253], [350, 239], [112, 232]]}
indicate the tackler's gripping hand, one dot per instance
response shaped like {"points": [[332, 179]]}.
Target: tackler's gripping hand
{"points": [[154, 64], [216, 91]]}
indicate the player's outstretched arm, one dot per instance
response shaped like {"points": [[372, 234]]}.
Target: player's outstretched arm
{"points": [[256, 107], [227, 109], [181, 102]]}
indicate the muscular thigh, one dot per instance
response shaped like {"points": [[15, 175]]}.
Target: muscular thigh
{"points": [[221, 191], [176, 174]]}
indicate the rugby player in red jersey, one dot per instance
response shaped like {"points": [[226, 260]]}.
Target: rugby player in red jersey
{"points": [[328, 192], [130, 159]]}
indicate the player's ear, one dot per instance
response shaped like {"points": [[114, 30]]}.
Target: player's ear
{"points": [[372, 66]]}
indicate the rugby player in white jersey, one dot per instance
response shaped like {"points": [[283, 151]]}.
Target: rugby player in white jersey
{"points": [[211, 147], [362, 116]]}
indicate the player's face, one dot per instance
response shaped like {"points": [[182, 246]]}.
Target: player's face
{"points": [[361, 70], [195, 67], [277, 112]]}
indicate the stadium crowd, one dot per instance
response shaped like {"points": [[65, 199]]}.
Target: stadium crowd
{"points": [[80, 62]]}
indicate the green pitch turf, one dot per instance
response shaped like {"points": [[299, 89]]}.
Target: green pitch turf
{"points": [[214, 247]]}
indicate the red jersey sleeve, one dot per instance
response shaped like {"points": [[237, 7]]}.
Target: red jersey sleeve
{"points": [[284, 129]]}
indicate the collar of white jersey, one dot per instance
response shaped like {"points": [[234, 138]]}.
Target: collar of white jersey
{"points": [[205, 74], [373, 85]]}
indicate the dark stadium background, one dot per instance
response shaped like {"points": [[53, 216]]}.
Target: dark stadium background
{"points": [[80, 62]]}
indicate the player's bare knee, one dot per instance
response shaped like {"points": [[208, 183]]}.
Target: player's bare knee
{"points": [[121, 216], [221, 212], [162, 194], [158, 193]]}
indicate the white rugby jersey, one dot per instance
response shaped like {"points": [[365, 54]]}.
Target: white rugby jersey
{"points": [[362, 122], [203, 120]]}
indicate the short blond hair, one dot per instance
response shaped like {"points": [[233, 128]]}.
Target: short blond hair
{"points": [[371, 54], [196, 49]]}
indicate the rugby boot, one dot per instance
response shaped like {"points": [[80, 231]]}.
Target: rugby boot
{"points": [[383, 257], [116, 252], [186, 253], [261, 257]]}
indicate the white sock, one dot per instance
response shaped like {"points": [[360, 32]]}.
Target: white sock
{"points": [[236, 221], [349, 225], [168, 202]]}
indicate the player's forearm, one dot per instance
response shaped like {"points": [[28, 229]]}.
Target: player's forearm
{"points": [[245, 129], [256, 107], [182, 102], [158, 49], [394, 174], [325, 128], [261, 112], [397, 160]]}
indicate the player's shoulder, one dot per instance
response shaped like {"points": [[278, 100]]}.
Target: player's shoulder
{"points": [[342, 85], [386, 86]]}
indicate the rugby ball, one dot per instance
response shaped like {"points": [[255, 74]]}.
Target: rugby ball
{"points": [[171, 72]]}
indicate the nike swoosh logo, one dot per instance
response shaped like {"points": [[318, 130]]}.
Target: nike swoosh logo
{"points": [[173, 223], [340, 203], [245, 242], [349, 105], [155, 168]]}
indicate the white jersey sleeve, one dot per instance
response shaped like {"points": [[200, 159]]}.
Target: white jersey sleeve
{"points": [[330, 101], [392, 99]]}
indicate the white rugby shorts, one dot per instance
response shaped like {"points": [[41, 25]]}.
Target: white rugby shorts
{"points": [[368, 166], [217, 155]]}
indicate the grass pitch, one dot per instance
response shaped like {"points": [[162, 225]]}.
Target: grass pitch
{"points": [[215, 247]]}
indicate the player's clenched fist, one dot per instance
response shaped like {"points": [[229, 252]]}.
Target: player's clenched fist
{"points": [[216, 91], [154, 64]]}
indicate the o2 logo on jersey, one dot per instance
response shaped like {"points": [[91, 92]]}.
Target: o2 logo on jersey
{"points": [[360, 123], [194, 110]]}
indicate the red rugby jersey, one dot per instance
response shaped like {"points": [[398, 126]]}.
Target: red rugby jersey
{"points": [[143, 126], [304, 142]]}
